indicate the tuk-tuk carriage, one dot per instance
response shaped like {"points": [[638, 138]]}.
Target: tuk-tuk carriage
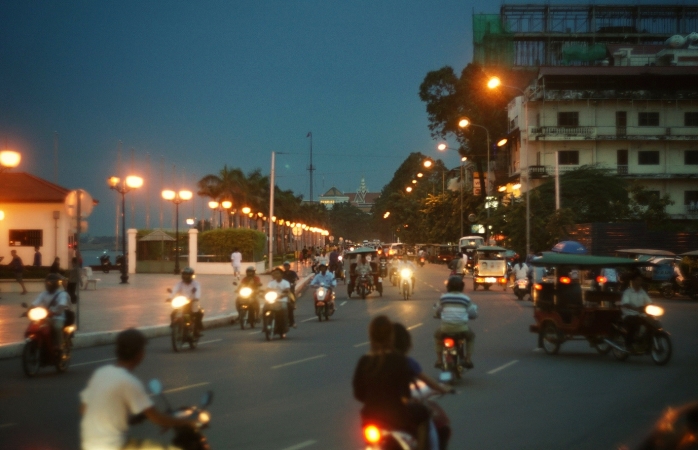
{"points": [[351, 259], [567, 307], [490, 267], [446, 253], [659, 273]]}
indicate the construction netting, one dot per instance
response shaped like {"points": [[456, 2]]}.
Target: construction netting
{"points": [[581, 52], [493, 44]]}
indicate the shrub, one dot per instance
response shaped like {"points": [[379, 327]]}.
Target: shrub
{"points": [[223, 241]]}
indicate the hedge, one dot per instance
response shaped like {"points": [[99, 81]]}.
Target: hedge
{"points": [[223, 241], [29, 273]]}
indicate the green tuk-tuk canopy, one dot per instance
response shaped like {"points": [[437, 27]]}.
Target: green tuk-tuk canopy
{"points": [[361, 250], [561, 259], [491, 249]]}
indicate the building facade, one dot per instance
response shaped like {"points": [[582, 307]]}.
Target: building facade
{"points": [[362, 199]]}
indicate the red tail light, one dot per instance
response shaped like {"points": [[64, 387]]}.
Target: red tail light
{"points": [[538, 287], [372, 434], [601, 279], [449, 343], [565, 280]]}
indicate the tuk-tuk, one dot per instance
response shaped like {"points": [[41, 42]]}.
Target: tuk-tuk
{"points": [[659, 272], [446, 254], [567, 307], [490, 267], [350, 261], [468, 245]]}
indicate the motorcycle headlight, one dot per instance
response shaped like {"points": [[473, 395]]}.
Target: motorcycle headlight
{"points": [[654, 310], [406, 273], [245, 292], [37, 313], [179, 301], [204, 417], [271, 296], [340, 258], [321, 292], [372, 434]]}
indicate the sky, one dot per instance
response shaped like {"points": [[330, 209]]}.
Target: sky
{"points": [[185, 87]]}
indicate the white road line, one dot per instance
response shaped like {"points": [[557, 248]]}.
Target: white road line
{"points": [[308, 320], [210, 342], [255, 332], [415, 326], [343, 303], [305, 444], [361, 344], [8, 425], [510, 363], [93, 362], [298, 362], [184, 388]]}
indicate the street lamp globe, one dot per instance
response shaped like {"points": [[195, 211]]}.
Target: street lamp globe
{"points": [[168, 194], [134, 182], [246, 210], [414, 181], [212, 204], [428, 163], [502, 142], [494, 82], [9, 158], [442, 147], [186, 195], [113, 181], [463, 123], [226, 204], [408, 188], [420, 175]]}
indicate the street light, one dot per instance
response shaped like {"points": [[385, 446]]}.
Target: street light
{"points": [[9, 159], [177, 198], [220, 206], [128, 184], [494, 83], [408, 188], [428, 163]]}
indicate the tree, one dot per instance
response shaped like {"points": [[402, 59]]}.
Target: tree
{"points": [[349, 222]]}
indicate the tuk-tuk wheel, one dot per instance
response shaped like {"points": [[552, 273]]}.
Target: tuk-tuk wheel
{"points": [[602, 346], [550, 336]]}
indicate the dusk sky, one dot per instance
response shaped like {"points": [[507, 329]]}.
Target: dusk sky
{"points": [[197, 85]]}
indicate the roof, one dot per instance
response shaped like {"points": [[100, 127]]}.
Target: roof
{"points": [[562, 259], [492, 248], [333, 192], [157, 235], [612, 71], [370, 197], [21, 187]]}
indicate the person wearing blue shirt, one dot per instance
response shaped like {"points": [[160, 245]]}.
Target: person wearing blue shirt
{"points": [[325, 278]]}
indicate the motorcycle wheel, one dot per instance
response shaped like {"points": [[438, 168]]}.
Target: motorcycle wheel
{"points": [[241, 318], [31, 358], [487, 287], [550, 337], [363, 293], [667, 291], [64, 362], [661, 348], [269, 331], [193, 342], [252, 318], [619, 340], [177, 336], [318, 312], [602, 347], [327, 313], [405, 292]]}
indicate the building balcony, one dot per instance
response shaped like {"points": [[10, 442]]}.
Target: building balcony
{"points": [[691, 210], [563, 133], [612, 133]]}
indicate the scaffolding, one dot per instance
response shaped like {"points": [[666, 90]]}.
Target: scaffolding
{"points": [[529, 36]]}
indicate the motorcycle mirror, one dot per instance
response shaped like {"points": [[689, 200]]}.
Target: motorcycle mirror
{"points": [[155, 386], [206, 399], [24, 305]]}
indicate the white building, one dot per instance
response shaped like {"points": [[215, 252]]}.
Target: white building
{"points": [[641, 121]]}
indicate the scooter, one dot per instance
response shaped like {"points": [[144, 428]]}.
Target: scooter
{"points": [[39, 349], [324, 302], [422, 260], [272, 308], [182, 324], [105, 262], [406, 283], [651, 339], [363, 286], [452, 358], [522, 287], [185, 438], [246, 312], [689, 288]]}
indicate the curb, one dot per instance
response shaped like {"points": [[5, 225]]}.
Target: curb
{"points": [[97, 338]]}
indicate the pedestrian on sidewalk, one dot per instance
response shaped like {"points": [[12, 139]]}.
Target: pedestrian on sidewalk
{"points": [[236, 260], [17, 267], [73, 280], [56, 266], [37, 257]]}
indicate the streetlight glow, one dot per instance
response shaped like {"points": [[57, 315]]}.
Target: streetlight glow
{"points": [[408, 188], [441, 147], [420, 175], [428, 163], [226, 204], [494, 82], [463, 123], [517, 186], [213, 204], [386, 215], [186, 195], [10, 158], [502, 142], [134, 182], [168, 194], [502, 188], [246, 210], [414, 181]]}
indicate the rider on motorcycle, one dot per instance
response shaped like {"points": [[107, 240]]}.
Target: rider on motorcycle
{"points": [[252, 281], [282, 288], [363, 267], [325, 278], [633, 304], [455, 309], [406, 264], [56, 302], [191, 289], [291, 276], [113, 395], [521, 271]]}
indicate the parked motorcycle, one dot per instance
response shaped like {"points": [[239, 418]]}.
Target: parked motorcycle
{"points": [[689, 288], [324, 302], [105, 262], [39, 348], [185, 438], [522, 287], [182, 324], [272, 324], [406, 283], [247, 298], [651, 339]]}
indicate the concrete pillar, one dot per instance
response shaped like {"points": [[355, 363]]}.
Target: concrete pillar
{"points": [[193, 247], [131, 247]]}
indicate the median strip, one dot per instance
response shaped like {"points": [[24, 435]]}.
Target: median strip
{"points": [[298, 362]]}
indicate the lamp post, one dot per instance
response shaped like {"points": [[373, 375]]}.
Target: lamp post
{"points": [[247, 211], [220, 206], [494, 83], [177, 198], [124, 186]]}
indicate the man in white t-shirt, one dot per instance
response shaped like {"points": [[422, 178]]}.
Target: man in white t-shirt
{"points": [[633, 304], [236, 261], [114, 394], [282, 288]]}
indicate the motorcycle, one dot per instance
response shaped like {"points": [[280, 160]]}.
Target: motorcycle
{"points": [[422, 260], [383, 268], [39, 349], [522, 287], [651, 339], [272, 307], [689, 288], [393, 276], [324, 302], [339, 270], [185, 438], [452, 358], [182, 324], [105, 263], [246, 312], [363, 286], [405, 283]]}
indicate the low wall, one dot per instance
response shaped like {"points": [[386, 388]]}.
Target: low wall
{"points": [[12, 286], [225, 268]]}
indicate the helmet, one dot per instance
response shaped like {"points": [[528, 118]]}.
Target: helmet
{"points": [[286, 263], [52, 281], [455, 284], [250, 269], [321, 265], [187, 274]]}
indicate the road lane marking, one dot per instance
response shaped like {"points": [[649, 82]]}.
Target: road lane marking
{"points": [[308, 320], [298, 362], [510, 363], [380, 309], [343, 303], [184, 388], [210, 342], [305, 444], [93, 362], [361, 344], [415, 326], [8, 425]]}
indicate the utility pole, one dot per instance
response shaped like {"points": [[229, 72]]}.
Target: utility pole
{"points": [[55, 157], [270, 222], [311, 168]]}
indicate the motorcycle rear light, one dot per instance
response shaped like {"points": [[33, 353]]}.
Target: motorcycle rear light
{"points": [[565, 280], [449, 343], [601, 279], [372, 434], [538, 287]]}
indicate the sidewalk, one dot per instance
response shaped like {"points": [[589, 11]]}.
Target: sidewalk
{"points": [[113, 306]]}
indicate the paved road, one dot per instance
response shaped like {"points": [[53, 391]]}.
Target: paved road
{"points": [[296, 393]]}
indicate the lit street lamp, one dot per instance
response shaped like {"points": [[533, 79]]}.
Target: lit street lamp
{"points": [[9, 159], [128, 184], [177, 198]]}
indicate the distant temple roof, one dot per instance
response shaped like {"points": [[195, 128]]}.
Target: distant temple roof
{"points": [[21, 187], [333, 192]]}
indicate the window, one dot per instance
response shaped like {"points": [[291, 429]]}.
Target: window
{"points": [[648, 158], [648, 119], [690, 157], [26, 238], [568, 119], [690, 119], [690, 199], [621, 118], [568, 157]]}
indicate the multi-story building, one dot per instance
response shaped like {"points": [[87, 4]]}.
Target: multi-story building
{"points": [[640, 121]]}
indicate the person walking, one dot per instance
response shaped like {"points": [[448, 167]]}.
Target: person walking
{"points": [[56, 266], [73, 280], [37, 257], [17, 267], [236, 261]]}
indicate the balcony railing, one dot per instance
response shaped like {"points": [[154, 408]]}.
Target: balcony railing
{"points": [[614, 132], [692, 209], [622, 169], [568, 132]]}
